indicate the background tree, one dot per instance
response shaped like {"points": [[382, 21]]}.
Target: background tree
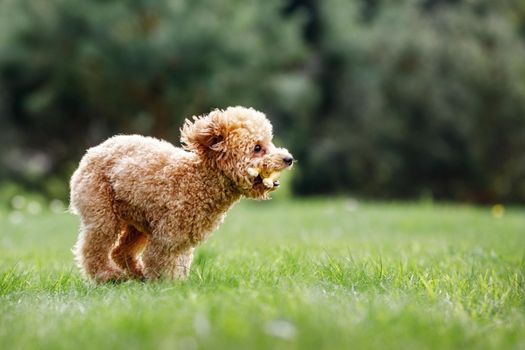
{"points": [[378, 98]]}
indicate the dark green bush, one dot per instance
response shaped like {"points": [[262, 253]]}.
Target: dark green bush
{"points": [[75, 72], [420, 102], [379, 98]]}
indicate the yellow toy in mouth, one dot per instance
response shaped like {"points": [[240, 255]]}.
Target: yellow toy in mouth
{"points": [[269, 179]]}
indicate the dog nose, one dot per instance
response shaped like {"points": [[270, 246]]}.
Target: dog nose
{"points": [[288, 160]]}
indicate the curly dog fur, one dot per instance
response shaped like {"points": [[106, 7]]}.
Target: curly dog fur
{"points": [[144, 204]]}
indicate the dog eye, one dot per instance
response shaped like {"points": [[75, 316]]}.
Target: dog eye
{"points": [[257, 148]]}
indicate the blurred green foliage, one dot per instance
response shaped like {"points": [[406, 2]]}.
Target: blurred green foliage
{"points": [[381, 98], [423, 100]]}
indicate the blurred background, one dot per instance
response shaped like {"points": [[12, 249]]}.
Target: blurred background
{"points": [[376, 98]]}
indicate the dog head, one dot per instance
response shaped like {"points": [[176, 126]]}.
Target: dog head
{"points": [[236, 140]]}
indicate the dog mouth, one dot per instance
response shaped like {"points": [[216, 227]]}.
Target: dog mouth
{"points": [[258, 182]]}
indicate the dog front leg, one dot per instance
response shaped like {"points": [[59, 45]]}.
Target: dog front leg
{"points": [[164, 261]]}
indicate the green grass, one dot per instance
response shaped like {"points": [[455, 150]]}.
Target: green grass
{"points": [[313, 274]]}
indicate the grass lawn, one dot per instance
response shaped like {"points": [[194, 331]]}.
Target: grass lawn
{"points": [[312, 274]]}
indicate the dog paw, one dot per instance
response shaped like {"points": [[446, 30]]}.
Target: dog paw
{"points": [[109, 276]]}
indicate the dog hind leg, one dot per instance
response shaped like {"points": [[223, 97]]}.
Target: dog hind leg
{"points": [[92, 199], [92, 252], [126, 252]]}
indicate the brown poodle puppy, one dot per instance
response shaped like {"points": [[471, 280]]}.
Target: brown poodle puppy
{"points": [[145, 204]]}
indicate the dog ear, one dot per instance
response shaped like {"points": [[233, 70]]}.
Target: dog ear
{"points": [[215, 142], [204, 133]]}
